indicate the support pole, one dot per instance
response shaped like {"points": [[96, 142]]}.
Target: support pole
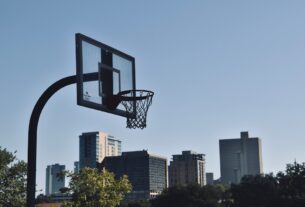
{"points": [[32, 133]]}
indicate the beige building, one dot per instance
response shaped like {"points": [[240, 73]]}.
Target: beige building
{"points": [[187, 168], [95, 146], [239, 157]]}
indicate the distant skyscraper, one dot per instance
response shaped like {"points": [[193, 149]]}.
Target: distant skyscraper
{"points": [[239, 157], [146, 172], [188, 168], [76, 167], [95, 146], [53, 182], [210, 178]]}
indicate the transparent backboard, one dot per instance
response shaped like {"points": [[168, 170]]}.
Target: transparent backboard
{"points": [[113, 72]]}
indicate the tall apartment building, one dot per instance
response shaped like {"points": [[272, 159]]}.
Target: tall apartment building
{"points": [[53, 182], [95, 146], [146, 172], [76, 167], [187, 168], [210, 178], [239, 157]]}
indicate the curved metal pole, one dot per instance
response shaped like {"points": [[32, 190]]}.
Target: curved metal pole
{"points": [[32, 133]]}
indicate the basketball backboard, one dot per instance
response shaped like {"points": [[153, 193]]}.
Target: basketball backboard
{"points": [[115, 72]]}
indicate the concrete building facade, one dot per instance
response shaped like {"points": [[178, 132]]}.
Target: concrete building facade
{"points": [[239, 157], [210, 178], [146, 172], [95, 146], [76, 167], [187, 168], [53, 182]]}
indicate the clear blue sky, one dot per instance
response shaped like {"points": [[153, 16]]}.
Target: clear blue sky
{"points": [[217, 68]]}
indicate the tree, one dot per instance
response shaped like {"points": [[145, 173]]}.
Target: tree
{"points": [[91, 188], [190, 196], [256, 191], [137, 203], [41, 198], [12, 180], [292, 185], [286, 189]]}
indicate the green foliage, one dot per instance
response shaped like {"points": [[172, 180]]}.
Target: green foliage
{"points": [[139, 203], [190, 196], [286, 189], [256, 191], [292, 183], [12, 180], [41, 198], [91, 188]]}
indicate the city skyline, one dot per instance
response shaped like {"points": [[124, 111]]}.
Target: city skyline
{"points": [[182, 169], [216, 67]]}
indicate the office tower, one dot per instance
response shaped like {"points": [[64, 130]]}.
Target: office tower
{"points": [[53, 182], [187, 168], [76, 167], [146, 172], [210, 178], [95, 146], [239, 157]]}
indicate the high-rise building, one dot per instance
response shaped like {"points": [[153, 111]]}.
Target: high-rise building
{"points": [[146, 172], [187, 168], [210, 178], [239, 157], [95, 146], [53, 181], [76, 167]]}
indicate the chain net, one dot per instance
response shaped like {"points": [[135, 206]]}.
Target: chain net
{"points": [[138, 102]]}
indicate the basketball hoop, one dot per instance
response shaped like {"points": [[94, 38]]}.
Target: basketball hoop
{"points": [[136, 103]]}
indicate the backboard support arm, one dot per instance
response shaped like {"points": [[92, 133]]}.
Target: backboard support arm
{"points": [[33, 125]]}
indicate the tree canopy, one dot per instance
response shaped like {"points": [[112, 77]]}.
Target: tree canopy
{"points": [[190, 196], [12, 180], [286, 189], [256, 191], [91, 188], [137, 203]]}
